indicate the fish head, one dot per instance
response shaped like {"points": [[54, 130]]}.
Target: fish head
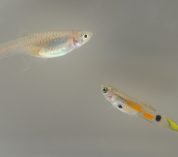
{"points": [[82, 37], [108, 92], [112, 95]]}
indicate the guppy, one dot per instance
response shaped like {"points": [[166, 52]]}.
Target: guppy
{"points": [[132, 107], [48, 44]]}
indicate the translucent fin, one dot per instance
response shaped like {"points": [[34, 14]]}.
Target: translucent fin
{"points": [[9, 49], [30, 62], [9, 46]]}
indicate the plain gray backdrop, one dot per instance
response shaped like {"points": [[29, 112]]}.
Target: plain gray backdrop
{"points": [[55, 108]]}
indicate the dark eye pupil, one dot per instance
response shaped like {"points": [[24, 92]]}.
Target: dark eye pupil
{"points": [[120, 106], [105, 90], [85, 36]]}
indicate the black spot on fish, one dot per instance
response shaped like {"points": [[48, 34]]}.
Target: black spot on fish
{"points": [[158, 118], [120, 106]]}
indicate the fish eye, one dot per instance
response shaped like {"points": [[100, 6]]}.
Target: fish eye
{"points": [[105, 90], [85, 36]]}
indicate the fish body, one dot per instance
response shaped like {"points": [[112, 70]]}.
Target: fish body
{"points": [[132, 107], [48, 44]]}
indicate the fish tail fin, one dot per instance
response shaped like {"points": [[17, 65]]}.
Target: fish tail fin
{"points": [[8, 46], [172, 124]]}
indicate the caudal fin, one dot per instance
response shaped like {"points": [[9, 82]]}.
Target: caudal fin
{"points": [[8, 49], [5, 47]]}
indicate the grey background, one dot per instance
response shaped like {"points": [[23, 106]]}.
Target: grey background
{"points": [[55, 108]]}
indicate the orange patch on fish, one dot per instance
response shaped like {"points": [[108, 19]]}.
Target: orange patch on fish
{"points": [[148, 116], [135, 106]]}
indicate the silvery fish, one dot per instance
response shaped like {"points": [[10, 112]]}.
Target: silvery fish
{"points": [[48, 44]]}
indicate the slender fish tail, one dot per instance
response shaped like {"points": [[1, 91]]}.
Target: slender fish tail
{"points": [[9, 46]]}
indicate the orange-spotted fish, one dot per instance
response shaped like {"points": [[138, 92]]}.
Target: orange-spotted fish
{"points": [[48, 44], [130, 106]]}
